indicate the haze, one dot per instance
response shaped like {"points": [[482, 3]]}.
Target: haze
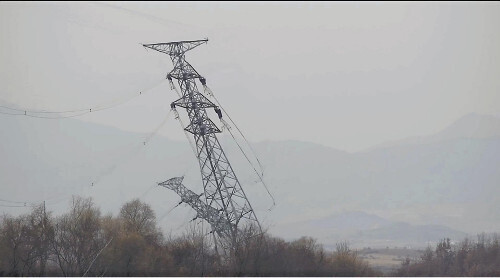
{"points": [[375, 122], [344, 75]]}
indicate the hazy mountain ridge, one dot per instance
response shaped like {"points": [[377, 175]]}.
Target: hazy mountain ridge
{"points": [[472, 125], [395, 177], [362, 229], [449, 182]]}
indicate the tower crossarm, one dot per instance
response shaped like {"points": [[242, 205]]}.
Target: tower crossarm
{"points": [[175, 48], [182, 69], [197, 101], [213, 216]]}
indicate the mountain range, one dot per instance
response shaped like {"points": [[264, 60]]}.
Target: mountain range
{"points": [[408, 192]]}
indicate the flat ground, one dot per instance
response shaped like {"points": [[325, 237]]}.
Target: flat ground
{"points": [[388, 259]]}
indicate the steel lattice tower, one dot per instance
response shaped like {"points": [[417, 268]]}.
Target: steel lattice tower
{"points": [[225, 205]]}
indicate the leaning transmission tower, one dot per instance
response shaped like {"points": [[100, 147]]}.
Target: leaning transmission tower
{"points": [[223, 204]]}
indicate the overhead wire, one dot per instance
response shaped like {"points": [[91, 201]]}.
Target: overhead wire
{"points": [[17, 206], [159, 20], [44, 117], [147, 191], [260, 176], [34, 203], [169, 211], [183, 224], [253, 167], [177, 116], [211, 94], [99, 253], [155, 131], [134, 151], [172, 87], [34, 113], [15, 202], [57, 198]]}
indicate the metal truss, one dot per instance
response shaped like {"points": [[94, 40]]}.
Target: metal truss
{"points": [[219, 224], [225, 203]]}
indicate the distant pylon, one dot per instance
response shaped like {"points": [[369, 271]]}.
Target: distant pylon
{"points": [[226, 207]]}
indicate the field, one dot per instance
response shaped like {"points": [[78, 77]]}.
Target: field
{"points": [[387, 259]]}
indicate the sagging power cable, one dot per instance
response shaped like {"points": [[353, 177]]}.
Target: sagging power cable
{"points": [[15, 202], [228, 128], [43, 114], [251, 164], [172, 86], [172, 106], [17, 206], [43, 117], [57, 198], [177, 117], [226, 125], [211, 94], [145, 142], [99, 253], [169, 211]]}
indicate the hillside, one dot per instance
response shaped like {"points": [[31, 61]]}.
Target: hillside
{"points": [[451, 182]]}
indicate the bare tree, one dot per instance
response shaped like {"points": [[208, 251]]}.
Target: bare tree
{"points": [[39, 234], [77, 237], [345, 262], [467, 258], [136, 247], [193, 253], [12, 245], [82, 242], [138, 217], [249, 253]]}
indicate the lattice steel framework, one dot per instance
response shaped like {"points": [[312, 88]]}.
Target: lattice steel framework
{"points": [[225, 203], [217, 221]]}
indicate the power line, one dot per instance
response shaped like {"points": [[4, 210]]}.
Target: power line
{"points": [[57, 198], [16, 206], [136, 148], [251, 164], [96, 257], [43, 117], [42, 111], [261, 175], [16, 202], [150, 17], [211, 94], [169, 211], [75, 112]]}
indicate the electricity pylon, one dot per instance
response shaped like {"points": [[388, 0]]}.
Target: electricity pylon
{"points": [[226, 206]]}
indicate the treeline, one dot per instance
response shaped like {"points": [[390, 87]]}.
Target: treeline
{"points": [[82, 242], [479, 257]]}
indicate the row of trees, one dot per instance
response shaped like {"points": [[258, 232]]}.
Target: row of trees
{"points": [[479, 257], [82, 242]]}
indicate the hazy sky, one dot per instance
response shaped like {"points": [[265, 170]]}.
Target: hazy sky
{"points": [[345, 75]]}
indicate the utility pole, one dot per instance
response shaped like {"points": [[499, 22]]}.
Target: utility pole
{"points": [[44, 255], [226, 207]]}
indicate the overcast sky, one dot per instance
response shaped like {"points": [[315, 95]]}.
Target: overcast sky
{"points": [[345, 75]]}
